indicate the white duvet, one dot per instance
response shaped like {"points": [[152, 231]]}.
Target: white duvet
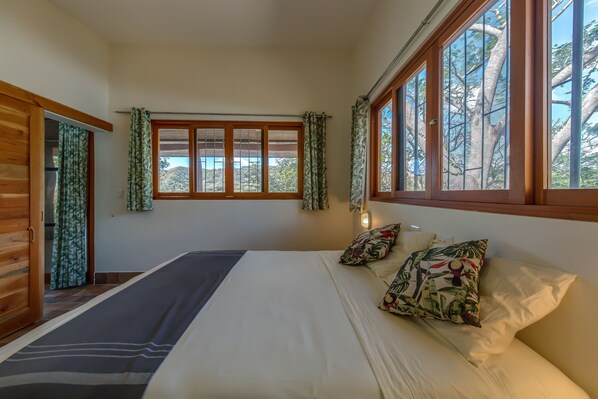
{"points": [[299, 325]]}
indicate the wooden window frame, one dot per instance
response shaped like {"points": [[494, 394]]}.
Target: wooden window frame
{"points": [[528, 193], [375, 146], [229, 127], [425, 60], [583, 197]]}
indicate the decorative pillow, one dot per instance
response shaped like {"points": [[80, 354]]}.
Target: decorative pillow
{"points": [[407, 243], [439, 283], [371, 245], [514, 295]]}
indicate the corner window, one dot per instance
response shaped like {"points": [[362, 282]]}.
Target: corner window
{"points": [[509, 111]]}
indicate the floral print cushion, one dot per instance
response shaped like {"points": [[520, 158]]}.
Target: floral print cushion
{"points": [[440, 283], [371, 245]]}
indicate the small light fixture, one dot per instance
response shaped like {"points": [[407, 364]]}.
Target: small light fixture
{"points": [[365, 219]]}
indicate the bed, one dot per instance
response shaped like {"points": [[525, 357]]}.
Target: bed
{"points": [[258, 324]]}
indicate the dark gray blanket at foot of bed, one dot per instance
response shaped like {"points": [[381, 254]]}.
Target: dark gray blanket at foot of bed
{"points": [[113, 349]]}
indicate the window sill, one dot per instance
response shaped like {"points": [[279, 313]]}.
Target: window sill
{"points": [[589, 214]]}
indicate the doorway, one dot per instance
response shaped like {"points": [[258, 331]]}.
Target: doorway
{"points": [[51, 138]]}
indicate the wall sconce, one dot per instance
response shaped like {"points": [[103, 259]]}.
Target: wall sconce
{"points": [[366, 220]]}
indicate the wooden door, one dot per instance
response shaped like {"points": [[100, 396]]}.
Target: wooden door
{"points": [[21, 217]]}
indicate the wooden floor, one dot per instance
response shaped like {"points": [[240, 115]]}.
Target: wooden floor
{"points": [[59, 302]]}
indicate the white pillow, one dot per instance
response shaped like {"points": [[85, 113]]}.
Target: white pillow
{"points": [[513, 295], [436, 243], [407, 242]]}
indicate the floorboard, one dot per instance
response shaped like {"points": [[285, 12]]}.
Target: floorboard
{"points": [[58, 302]]}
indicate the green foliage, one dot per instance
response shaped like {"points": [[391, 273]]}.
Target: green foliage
{"points": [[283, 177]]}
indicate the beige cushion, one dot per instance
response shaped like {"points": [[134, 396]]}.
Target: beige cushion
{"points": [[407, 243], [514, 295]]}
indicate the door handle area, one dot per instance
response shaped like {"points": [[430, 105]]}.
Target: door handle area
{"points": [[31, 233]]}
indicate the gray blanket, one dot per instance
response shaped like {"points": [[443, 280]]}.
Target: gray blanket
{"points": [[113, 349]]}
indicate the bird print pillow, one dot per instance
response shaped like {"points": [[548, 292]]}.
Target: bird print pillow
{"points": [[371, 245], [440, 283]]}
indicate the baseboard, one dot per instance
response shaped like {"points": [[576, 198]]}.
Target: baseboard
{"points": [[105, 278], [115, 277]]}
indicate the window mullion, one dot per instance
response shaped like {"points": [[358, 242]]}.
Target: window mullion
{"points": [[265, 161], [192, 161], [229, 161]]}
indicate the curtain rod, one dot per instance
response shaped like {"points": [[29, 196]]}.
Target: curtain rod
{"points": [[219, 114], [388, 69]]}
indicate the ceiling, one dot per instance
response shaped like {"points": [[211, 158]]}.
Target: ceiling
{"points": [[330, 24]]}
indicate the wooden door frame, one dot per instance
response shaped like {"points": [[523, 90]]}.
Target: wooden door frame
{"points": [[90, 210]]}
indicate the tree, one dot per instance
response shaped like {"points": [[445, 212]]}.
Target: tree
{"points": [[476, 90], [283, 176]]}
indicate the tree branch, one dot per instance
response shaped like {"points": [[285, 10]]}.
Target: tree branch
{"points": [[491, 30], [562, 137], [562, 102], [590, 55], [562, 9]]}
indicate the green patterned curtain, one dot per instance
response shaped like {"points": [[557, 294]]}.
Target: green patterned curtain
{"points": [[69, 253], [140, 185], [359, 129], [315, 188]]}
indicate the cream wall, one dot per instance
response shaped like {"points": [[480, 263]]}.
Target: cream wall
{"points": [[219, 80], [47, 52], [566, 337]]}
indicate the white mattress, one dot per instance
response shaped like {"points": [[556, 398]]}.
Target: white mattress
{"points": [[298, 324]]}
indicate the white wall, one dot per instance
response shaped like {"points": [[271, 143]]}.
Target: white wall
{"points": [[566, 337], [225, 80], [50, 54]]}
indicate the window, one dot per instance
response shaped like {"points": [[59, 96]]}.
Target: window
{"points": [[412, 133], [210, 160], [475, 104], [283, 161], [479, 120], [573, 121], [218, 160], [174, 160]]}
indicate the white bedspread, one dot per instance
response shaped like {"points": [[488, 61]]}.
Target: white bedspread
{"points": [[299, 325], [275, 328]]}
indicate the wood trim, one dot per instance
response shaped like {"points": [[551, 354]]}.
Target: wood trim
{"points": [[425, 60], [91, 210], [266, 160], [53, 106], [375, 145], [192, 160], [176, 124], [544, 194], [36, 251], [521, 92], [228, 127], [115, 277], [541, 102], [434, 105], [545, 211]]}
